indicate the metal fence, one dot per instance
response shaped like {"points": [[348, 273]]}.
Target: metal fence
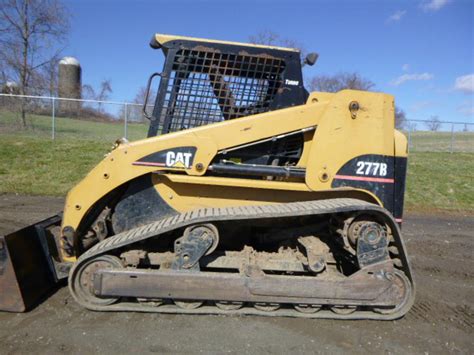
{"points": [[439, 136], [60, 118]]}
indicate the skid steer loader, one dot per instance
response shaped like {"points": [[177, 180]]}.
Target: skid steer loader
{"points": [[249, 196]]}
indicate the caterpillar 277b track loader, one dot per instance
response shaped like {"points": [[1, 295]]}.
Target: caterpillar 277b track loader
{"points": [[249, 196]]}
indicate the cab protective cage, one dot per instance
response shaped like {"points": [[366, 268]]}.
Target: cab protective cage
{"points": [[204, 82]]}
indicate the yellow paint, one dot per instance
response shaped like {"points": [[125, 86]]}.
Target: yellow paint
{"points": [[163, 38], [185, 193]]}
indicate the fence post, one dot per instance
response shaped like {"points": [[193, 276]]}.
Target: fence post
{"points": [[125, 121], [53, 118], [409, 138], [452, 137]]}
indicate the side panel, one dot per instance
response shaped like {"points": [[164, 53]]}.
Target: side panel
{"points": [[399, 193], [188, 193], [355, 150], [371, 172]]}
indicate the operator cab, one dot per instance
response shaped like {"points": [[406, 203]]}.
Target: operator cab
{"points": [[207, 81]]}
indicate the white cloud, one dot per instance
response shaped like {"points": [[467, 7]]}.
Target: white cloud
{"points": [[411, 77], [465, 83], [434, 5], [397, 16], [405, 67]]}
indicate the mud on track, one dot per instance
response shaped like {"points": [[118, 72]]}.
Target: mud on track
{"points": [[442, 320]]}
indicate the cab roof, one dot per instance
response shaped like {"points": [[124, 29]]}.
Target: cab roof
{"points": [[159, 40]]}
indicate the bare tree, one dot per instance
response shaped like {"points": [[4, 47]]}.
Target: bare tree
{"points": [[135, 112], [49, 76], [269, 38], [104, 90], [265, 37], [30, 32], [338, 82], [400, 118], [88, 92], [433, 124]]}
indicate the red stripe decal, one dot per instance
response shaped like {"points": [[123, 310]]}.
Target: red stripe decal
{"points": [[148, 163], [363, 178]]}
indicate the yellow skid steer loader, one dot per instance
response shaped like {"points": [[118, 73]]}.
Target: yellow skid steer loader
{"points": [[250, 195]]}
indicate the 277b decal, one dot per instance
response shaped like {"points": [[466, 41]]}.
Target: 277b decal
{"points": [[371, 168], [366, 168]]}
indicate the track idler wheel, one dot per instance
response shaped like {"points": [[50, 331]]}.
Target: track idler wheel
{"points": [[266, 307], [307, 308], [83, 282], [343, 310], [399, 278]]}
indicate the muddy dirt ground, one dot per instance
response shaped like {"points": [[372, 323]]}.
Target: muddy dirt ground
{"points": [[442, 320]]}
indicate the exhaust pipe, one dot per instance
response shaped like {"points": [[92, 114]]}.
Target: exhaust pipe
{"points": [[29, 266]]}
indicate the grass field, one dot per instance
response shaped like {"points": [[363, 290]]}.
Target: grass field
{"points": [[440, 181], [67, 128], [31, 163], [424, 141]]}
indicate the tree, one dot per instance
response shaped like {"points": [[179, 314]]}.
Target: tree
{"points": [[400, 118], [338, 82], [265, 37], [30, 34], [49, 76], [433, 124], [135, 110], [88, 92], [104, 90], [269, 38]]}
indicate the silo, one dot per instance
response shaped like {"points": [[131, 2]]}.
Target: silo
{"points": [[10, 103], [69, 86], [11, 87]]}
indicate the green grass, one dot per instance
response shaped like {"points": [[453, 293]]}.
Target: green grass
{"points": [[441, 141], [38, 166], [69, 128], [440, 181]]}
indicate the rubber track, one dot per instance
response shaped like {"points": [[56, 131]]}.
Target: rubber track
{"points": [[209, 215]]}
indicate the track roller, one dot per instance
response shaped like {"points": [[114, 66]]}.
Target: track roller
{"points": [[307, 308], [229, 305]]}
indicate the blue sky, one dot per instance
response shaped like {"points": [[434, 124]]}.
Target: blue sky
{"points": [[421, 51]]}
